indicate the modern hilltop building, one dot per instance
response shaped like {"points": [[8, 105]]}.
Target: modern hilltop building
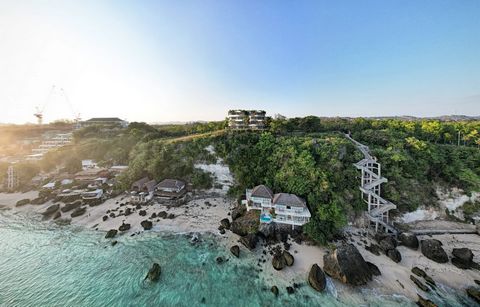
{"points": [[105, 121], [246, 119], [280, 208]]}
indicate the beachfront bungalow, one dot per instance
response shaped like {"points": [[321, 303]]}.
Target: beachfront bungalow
{"points": [[142, 190], [170, 188], [280, 208]]}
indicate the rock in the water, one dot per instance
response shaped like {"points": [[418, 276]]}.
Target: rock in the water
{"points": [[219, 259], [142, 212], [462, 258], [474, 293], [433, 250], [124, 227], [225, 223], [316, 278], [347, 265], [57, 215], [374, 269], [235, 250], [147, 225], [114, 242], [274, 290], [288, 258], [250, 241], [290, 290], [154, 272], [395, 255], [78, 211], [111, 233], [423, 302], [222, 231], [419, 272], [409, 240], [374, 249], [419, 284], [51, 209], [278, 261]]}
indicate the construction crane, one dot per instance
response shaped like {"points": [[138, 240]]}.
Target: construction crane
{"points": [[39, 112], [76, 115]]}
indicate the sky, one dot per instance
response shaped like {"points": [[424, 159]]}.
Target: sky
{"points": [[164, 61]]}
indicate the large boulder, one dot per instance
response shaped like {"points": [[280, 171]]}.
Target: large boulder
{"points": [[346, 264], [78, 211], [57, 215], [474, 293], [249, 241], [374, 249], [225, 223], [423, 302], [22, 202], [395, 255], [154, 272], [387, 243], [124, 227], [419, 284], [316, 278], [235, 250], [51, 209], [409, 240], [111, 233], [147, 225], [71, 206], [288, 258], [433, 250], [238, 211], [278, 261], [142, 213], [462, 258], [267, 230], [246, 224], [274, 290], [162, 214], [374, 269]]}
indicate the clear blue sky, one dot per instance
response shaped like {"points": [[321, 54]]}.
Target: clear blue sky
{"points": [[194, 60]]}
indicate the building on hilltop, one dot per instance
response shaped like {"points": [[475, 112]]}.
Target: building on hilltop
{"points": [[105, 121], [246, 119], [282, 208]]}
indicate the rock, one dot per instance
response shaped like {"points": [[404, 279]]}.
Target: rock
{"points": [[78, 211], [374, 249], [409, 240], [474, 293], [147, 225], [395, 255], [238, 211], [170, 216], [51, 209], [128, 211], [235, 250], [246, 224], [288, 258], [387, 244], [347, 265], [153, 216], [422, 302], [105, 217], [419, 284], [222, 231], [71, 206], [154, 272], [22, 202], [316, 278], [162, 214], [124, 227], [432, 249], [112, 215], [290, 290], [250, 241], [114, 242], [278, 261], [477, 281], [57, 215], [142, 212], [138, 207], [374, 269], [419, 272], [462, 258], [111, 233], [225, 223], [219, 260], [267, 231], [274, 290]]}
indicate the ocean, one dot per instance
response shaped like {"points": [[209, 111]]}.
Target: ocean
{"points": [[45, 264]]}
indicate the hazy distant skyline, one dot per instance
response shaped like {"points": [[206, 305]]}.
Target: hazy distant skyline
{"points": [[160, 61]]}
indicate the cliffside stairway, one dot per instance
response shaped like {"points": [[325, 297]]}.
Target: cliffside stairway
{"points": [[370, 187]]}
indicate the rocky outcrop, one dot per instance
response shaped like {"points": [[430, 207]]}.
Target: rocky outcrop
{"points": [[387, 243], [423, 302], [235, 250], [374, 269], [154, 272], [474, 293], [225, 223], [409, 240], [316, 278], [147, 225], [419, 284], [162, 214], [419, 272], [128, 211], [142, 213], [124, 227], [462, 258], [246, 224], [288, 258], [111, 233], [374, 249], [104, 218], [278, 261], [22, 202], [347, 265], [274, 290], [238, 211], [395, 255], [71, 206], [78, 211], [249, 241], [57, 215], [51, 209], [433, 250]]}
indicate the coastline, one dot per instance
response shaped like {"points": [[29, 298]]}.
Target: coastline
{"points": [[197, 217]]}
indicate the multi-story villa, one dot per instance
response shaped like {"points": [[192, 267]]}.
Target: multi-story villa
{"points": [[246, 119], [280, 208]]}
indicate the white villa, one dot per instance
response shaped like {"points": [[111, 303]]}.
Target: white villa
{"points": [[281, 208]]}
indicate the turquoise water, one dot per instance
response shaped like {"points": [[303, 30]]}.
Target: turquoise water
{"points": [[43, 264]]}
